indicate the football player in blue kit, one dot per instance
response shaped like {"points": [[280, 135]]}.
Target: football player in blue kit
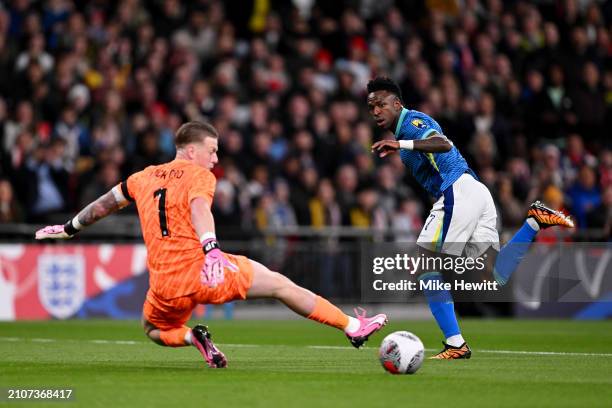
{"points": [[463, 218]]}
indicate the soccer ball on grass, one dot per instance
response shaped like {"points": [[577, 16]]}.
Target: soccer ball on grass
{"points": [[401, 352]]}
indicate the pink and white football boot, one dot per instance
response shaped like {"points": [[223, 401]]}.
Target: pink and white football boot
{"points": [[367, 327], [201, 339]]}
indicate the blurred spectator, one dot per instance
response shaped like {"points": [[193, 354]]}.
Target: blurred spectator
{"points": [[46, 181], [334, 266], [258, 184], [302, 192], [282, 214], [575, 157], [366, 212], [10, 210], [548, 169], [75, 135], [589, 103], [23, 121], [531, 95], [553, 197], [264, 212], [105, 178], [226, 210], [483, 151], [555, 106], [605, 168], [324, 210], [22, 149], [487, 121], [511, 210], [584, 195], [391, 190], [346, 184], [35, 53], [148, 152], [407, 222], [601, 216]]}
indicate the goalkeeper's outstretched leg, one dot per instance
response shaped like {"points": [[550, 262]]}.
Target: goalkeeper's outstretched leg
{"points": [[268, 284]]}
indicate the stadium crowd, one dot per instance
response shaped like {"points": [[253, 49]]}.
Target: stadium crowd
{"points": [[93, 91]]}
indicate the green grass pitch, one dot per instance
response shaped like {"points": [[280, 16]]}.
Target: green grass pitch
{"points": [[299, 363]]}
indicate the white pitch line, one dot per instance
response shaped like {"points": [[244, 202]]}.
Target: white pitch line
{"points": [[532, 353], [240, 345], [133, 342], [546, 353], [330, 347]]}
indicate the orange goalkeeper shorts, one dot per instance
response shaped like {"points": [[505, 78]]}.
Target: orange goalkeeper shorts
{"points": [[172, 313]]}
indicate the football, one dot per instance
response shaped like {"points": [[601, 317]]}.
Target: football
{"points": [[401, 352]]}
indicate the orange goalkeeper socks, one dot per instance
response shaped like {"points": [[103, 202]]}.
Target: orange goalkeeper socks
{"points": [[175, 337], [326, 313]]}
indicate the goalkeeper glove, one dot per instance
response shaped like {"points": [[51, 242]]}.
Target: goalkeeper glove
{"points": [[215, 262], [65, 231]]}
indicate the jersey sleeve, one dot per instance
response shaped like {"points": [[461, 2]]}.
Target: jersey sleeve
{"points": [[416, 128], [203, 185], [130, 186]]}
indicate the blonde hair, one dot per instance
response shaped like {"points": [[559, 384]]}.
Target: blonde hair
{"points": [[193, 132]]}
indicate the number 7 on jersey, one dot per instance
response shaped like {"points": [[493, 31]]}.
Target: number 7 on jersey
{"points": [[163, 221]]}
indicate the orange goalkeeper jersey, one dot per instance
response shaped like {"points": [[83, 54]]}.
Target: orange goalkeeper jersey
{"points": [[163, 195]]}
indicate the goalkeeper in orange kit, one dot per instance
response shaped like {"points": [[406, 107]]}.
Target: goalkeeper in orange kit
{"points": [[185, 262]]}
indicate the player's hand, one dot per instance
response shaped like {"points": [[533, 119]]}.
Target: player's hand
{"points": [[52, 232], [385, 147], [213, 271]]}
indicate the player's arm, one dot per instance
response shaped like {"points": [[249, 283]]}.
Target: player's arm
{"points": [[204, 225], [105, 205], [202, 218], [435, 143]]}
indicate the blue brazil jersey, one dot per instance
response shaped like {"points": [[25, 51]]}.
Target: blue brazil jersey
{"points": [[434, 171]]}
